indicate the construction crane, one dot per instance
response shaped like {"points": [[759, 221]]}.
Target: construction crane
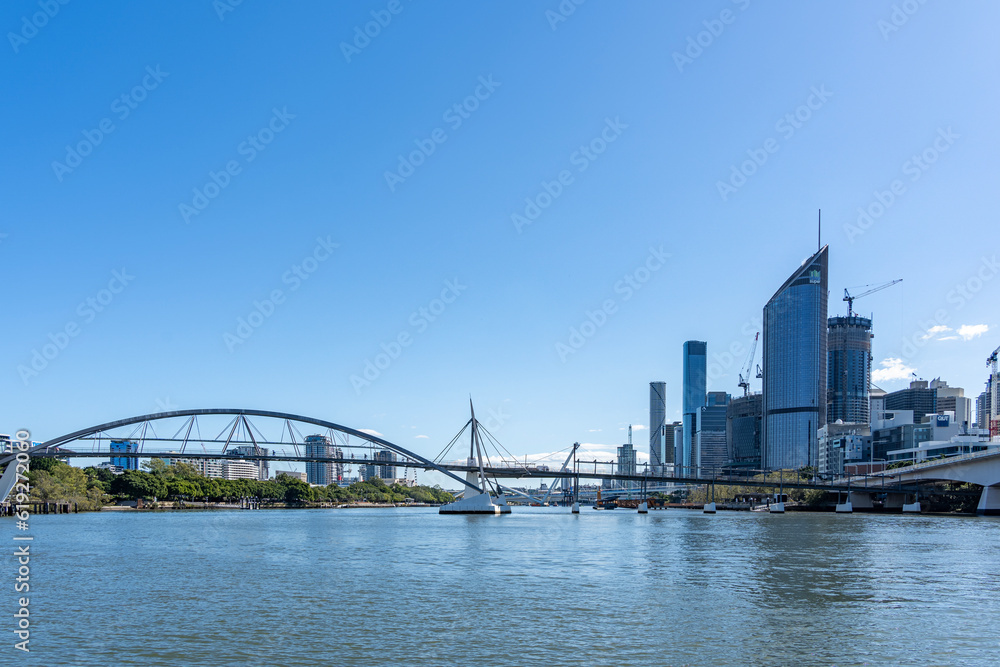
{"points": [[748, 367], [849, 298]]}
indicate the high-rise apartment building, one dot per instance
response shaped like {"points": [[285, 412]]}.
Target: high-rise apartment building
{"points": [[320, 472], [795, 366]]}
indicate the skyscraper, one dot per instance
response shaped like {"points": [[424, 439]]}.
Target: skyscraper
{"points": [[384, 457], [319, 472], [710, 434], [849, 369], [695, 375], [659, 451], [795, 366], [743, 431]]}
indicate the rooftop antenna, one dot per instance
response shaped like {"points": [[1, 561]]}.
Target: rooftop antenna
{"points": [[819, 231]]}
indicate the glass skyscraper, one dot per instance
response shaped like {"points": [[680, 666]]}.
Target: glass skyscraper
{"points": [[695, 375], [795, 366]]}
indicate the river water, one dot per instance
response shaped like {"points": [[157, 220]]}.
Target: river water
{"points": [[540, 586]]}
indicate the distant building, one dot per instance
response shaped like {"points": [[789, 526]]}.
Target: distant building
{"points": [[983, 405], [659, 451], [841, 444], [795, 366], [876, 399], [678, 447], [240, 469], [952, 399], [320, 472], [695, 378], [246, 451], [5, 444], [919, 398], [110, 467], [849, 369], [124, 447], [291, 473], [383, 471], [710, 434], [744, 416]]}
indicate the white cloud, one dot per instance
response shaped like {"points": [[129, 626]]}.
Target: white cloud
{"points": [[935, 330], [948, 338], [893, 368], [970, 331], [422, 436], [595, 430], [371, 431], [635, 427]]}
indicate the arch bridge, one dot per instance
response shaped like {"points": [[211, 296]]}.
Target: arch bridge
{"points": [[247, 434]]}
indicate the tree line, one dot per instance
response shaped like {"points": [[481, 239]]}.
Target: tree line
{"points": [[91, 488]]}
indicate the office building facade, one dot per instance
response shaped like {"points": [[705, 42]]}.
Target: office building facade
{"points": [[919, 397], [710, 435], [693, 399], [795, 366], [743, 431]]}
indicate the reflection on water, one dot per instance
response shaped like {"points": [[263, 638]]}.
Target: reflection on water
{"points": [[369, 587]]}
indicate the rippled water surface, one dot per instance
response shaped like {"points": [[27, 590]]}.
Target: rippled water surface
{"points": [[541, 586]]}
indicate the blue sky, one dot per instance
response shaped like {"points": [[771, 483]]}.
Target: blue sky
{"points": [[254, 141]]}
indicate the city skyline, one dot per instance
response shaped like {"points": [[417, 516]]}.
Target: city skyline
{"points": [[554, 300]]}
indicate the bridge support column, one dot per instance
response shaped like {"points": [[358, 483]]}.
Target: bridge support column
{"points": [[894, 501], [989, 501], [861, 500]]}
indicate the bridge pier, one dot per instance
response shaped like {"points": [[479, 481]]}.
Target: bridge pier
{"points": [[989, 501], [860, 500]]}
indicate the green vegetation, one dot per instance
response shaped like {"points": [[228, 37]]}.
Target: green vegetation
{"points": [[91, 488], [53, 480]]}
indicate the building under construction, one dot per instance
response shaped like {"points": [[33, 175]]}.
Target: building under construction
{"points": [[849, 369]]}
